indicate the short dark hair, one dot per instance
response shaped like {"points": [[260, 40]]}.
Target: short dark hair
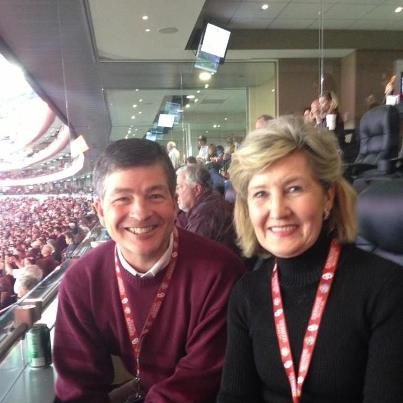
{"points": [[129, 153]]}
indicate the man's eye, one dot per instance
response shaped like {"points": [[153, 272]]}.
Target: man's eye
{"points": [[156, 196]]}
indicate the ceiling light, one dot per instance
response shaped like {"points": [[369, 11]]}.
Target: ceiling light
{"points": [[139, 112], [133, 117], [196, 100], [187, 106], [206, 86], [398, 9], [137, 90], [198, 91], [204, 76], [264, 6], [190, 96], [141, 100], [225, 118], [147, 29], [144, 17], [215, 126], [134, 105]]}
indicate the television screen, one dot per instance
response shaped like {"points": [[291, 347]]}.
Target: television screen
{"points": [[207, 62], [215, 40], [166, 120]]}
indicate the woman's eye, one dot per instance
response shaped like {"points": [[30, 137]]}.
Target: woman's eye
{"points": [[259, 195], [294, 189]]}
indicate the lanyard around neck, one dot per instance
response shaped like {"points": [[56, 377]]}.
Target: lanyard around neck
{"points": [[136, 339], [312, 330]]}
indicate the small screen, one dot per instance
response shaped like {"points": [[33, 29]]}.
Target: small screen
{"points": [[207, 62], [166, 120], [215, 40]]}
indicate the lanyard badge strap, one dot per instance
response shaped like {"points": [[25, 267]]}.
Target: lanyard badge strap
{"points": [[311, 334]]}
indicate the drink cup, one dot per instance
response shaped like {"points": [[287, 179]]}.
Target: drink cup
{"points": [[331, 121]]}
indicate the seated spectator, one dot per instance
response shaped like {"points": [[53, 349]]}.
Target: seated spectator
{"points": [[47, 262], [204, 211], [27, 279], [71, 245], [262, 121]]}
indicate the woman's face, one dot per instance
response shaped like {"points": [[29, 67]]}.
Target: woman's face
{"points": [[286, 206]]}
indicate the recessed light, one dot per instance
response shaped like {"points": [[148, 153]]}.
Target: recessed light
{"points": [[264, 6], [204, 76], [141, 100], [137, 90], [187, 106], [144, 17], [139, 112], [196, 100], [198, 91], [190, 96], [133, 117], [134, 105], [206, 86], [225, 118], [398, 9], [147, 29]]}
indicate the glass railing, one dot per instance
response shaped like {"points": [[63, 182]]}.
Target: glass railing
{"points": [[39, 305]]}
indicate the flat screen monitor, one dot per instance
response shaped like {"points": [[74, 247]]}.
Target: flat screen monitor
{"points": [[215, 40], [166, 120], [212, 48]]}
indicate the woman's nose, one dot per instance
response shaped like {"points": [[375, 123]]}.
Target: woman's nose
{"points": [[278, 207]]}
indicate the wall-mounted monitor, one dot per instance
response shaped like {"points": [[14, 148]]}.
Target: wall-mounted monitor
{"points": [[212, 48], [215, 40], [166, 120]]}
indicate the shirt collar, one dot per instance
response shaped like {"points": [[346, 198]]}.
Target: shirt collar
{"points": [[160, 264]]}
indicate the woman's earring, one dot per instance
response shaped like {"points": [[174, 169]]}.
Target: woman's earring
{"points": [[326, 214]]}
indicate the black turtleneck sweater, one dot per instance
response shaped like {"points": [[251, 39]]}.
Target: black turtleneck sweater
{"points": [[359, 351]]}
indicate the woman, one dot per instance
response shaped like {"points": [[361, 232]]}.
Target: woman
{"points": [[293, 204]]}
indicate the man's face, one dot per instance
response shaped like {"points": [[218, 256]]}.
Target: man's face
{"points": [[138, 211], [187, 194]]}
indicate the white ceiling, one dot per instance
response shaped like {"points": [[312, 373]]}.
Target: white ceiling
{"points": [[89, 56]]}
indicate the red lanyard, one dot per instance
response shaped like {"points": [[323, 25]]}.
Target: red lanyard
{"points": [[136, 339], [312, 330]]}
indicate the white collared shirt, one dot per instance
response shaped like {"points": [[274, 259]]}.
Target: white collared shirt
{"points": [[160, 264]]}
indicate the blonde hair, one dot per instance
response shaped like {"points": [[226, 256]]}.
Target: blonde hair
{"points": [[282, 137]]}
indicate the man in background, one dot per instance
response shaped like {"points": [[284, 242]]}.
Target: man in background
{"points": [[173, 154], [204, 211]]}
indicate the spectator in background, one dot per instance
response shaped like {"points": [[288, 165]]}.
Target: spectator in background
{"points": [[262, 121], [71, 245], [205, 210], [191, 160], [173, 154], [202, 156], [28, 277], [47, 262]]}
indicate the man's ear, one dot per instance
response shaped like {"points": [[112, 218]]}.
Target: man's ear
{"points": [[199, 189], [100, 211]]}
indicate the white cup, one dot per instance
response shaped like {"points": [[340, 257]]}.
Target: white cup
{"points": [[331, 121]]}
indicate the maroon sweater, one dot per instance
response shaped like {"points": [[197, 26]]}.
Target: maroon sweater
{"points": [[182, 356]]}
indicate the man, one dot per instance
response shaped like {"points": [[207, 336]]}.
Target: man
{"points": [[262, 121], [205, 211], [151, 302], [173, 154], [203, 149]]}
